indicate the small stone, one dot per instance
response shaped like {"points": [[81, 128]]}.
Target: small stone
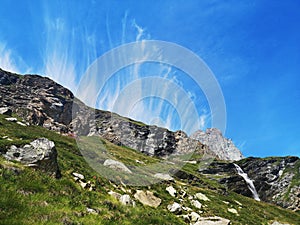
{"points": [[78, 175], [83, 184], [202, 197], [188, 209], [191, 162], [11, 119], [140, 162], [126, 200], [232, 210], [164, 176], [171, 191], [22, 124], [91, 211], [196, 204], [175, 208], [237, 202], [278, 223], [194, 216]]}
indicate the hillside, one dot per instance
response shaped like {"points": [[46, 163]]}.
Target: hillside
{"points": [[30, 196], [62, 162]]}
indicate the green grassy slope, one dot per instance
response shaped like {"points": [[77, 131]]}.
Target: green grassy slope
{"points": [[29, 196]]}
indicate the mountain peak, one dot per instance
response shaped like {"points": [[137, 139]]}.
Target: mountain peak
{"points": [[223, 147]]}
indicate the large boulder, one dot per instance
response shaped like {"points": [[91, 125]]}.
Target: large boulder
{"points": [[40, 154], [147, 198], [116, 165]]}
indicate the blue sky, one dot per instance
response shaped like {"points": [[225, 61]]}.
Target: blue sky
{"points": [[252, 47]]}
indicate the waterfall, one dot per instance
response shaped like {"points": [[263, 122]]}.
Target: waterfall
{"points": [[248, 181]]}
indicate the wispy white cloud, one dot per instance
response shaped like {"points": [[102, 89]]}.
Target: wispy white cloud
{"points": [[10, 61], [67, 52]]}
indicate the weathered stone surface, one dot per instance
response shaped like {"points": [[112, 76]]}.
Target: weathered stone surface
{"points": [[194, 217], [22, 124], [202, 197], [91, 211], [116, 165], [126, 200], [213, 220], [5, 111], [163, 176], [232, 210], [147, 198], [221, 146], [175, 208], [196, 204], [278, 223], [78, 175], [171, 190], [40, 153], [11, 119]]}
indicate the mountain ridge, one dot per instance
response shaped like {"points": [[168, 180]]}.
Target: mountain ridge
{"points": [[41, 101]]}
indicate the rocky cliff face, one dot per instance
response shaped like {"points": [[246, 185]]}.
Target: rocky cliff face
{"points": [[38, 100], [221, 146], [41, 101], [276, 179]]}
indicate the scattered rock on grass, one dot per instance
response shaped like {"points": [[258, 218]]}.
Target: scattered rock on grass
{"points": [[147, 198]]}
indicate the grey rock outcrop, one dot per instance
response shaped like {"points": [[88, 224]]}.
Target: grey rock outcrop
{"points": [[40, 101], [116, 165], [275, 178], [221, 146], [40, 154]]}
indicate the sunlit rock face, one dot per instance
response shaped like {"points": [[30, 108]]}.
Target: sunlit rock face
{"points": [[221, 146]]}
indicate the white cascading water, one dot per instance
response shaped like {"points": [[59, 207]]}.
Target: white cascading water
{"points": [[248, 181]]}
